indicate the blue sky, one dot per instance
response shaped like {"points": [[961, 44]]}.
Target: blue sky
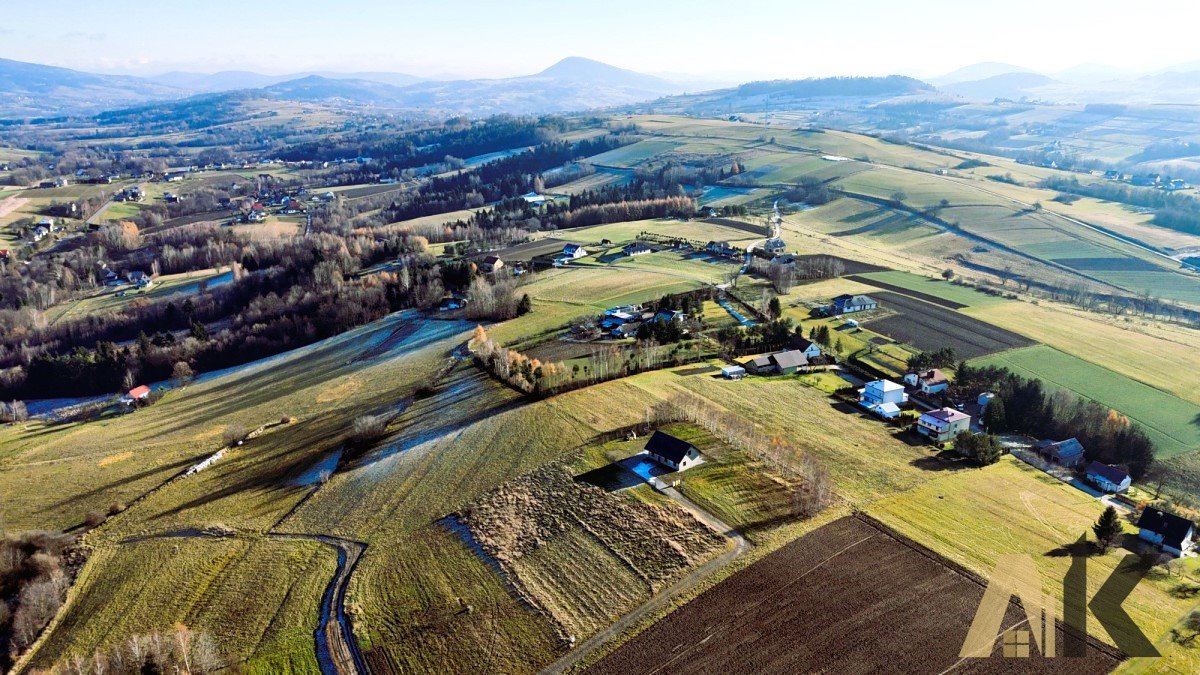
{"points": [[735, 39]]}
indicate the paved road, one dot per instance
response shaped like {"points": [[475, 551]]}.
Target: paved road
{"points": [[740, 545]]}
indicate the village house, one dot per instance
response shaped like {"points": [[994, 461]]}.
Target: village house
{"points": [[1173, 534], [942, 425], [774, 246], [1113, 174], [721, 248], [574, 251], [668, 316], [1107, 478], [139, 279], [636, 248], [138, 393], [1177, 184], [672, 452], [879, 392], [928, 382], [847, 304], [1065, 453], [810, 349], [39, 233], [491, 264]]}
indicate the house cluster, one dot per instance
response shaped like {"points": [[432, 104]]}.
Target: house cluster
{"points": [[1150, 180], [624, 321], [928, 382], [883, 397], [133, 193], [135, 278], [56, 183], [801, 352], [1070, 453], [569, 253]]}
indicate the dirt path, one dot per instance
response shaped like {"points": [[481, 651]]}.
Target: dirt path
{"points": [[11, 204], [740, 545], [337, 650]]}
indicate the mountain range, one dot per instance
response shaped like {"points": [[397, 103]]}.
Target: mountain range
{"points": [[1084, 83], [575, 83]]}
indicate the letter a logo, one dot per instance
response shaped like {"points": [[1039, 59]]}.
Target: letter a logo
{"points": [[1015, 575]]}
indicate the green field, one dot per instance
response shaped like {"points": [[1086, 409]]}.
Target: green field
{"points": [[1171, 422], [974, 516], [936, 287]]}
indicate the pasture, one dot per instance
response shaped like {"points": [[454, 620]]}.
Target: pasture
{"points": [[1171, 422], [930, 289]]}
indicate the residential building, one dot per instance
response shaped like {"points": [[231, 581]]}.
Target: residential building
{"points": [[928, 382], [1173, 534], [1066, 453], [882, 391], [636, 248], [1107, 478], [491, 264], [846, 304], [774, 245], [942, 425], [721, 248], [672, 452], [787, 363], [136, 394], [574, 251], [534, 198], [887, 411], [810, 349]]}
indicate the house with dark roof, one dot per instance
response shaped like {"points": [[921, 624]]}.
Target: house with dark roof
{"points": [[573, 251], [1173, 534], [847, 304], [672, 452], [788, 362], [636, 248], [1107, 478], [760, 365], [1067, 453], [810, 349], [491, 264]]}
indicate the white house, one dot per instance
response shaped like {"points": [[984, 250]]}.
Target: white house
{"points": [[880, 392], [672, 452], [1107, 478], [846, 304], [534, 198], [574, 251], [943, 425], [1174, 534], [636, 248], [887, 411], [928, 382], [810, 349]]}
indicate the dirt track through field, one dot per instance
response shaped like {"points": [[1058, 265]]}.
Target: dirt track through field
{"points": [[11, 204]]}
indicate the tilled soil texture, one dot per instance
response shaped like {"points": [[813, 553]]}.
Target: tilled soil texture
{"points": [[929, 327], [850, 597]]}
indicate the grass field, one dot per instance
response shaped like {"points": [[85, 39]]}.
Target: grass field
{"points": [[1171, 422], [936, 287], [973, 517]]}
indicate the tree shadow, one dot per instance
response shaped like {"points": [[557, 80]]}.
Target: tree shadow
{"points": [[1075, 549]]}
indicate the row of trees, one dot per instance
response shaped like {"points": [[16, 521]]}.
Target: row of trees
{"points": [[945, 357], [182, 651], [1023, 405], [812, 486]]}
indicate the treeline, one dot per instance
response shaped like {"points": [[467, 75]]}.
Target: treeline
{"points": [[181, 651], [1024, 406], [34, 578], [834, 86], [1176, 212]]}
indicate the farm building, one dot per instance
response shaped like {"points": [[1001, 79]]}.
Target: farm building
{"points": [[760, 366], [491, 264], [626, 330], [929, 381], [1107, 478], [136, 394], [943, 425], [879, 392], [1066, 453], [636, 248], [672, 452], [810, 349], [887, 411], [668, 316], [787, 363], [733, 372], [534, 198], [1174, 534], [846, 304]]}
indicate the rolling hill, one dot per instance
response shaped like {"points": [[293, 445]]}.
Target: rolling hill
{"points": [[29, 89]]}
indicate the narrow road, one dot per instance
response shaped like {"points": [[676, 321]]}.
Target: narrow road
{"points": [[740, 545]]}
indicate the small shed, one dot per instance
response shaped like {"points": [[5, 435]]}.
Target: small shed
{"points": [[733, 372]]}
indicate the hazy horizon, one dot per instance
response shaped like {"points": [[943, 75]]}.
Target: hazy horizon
{"points": [[709, 40]]}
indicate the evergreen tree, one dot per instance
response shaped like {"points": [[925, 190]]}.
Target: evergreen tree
{"points": [[1108, 528], [994, 416]]}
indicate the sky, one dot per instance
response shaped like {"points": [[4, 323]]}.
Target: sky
{"points": [[733, 40]]}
